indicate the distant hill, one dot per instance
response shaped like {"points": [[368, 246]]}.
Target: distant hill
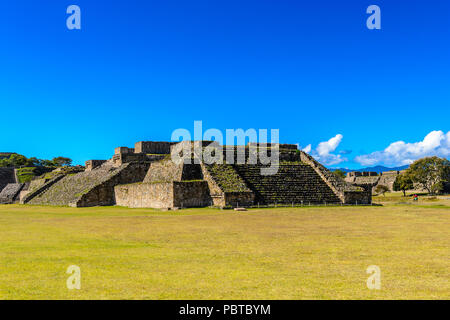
{"points": [[377, 169]]}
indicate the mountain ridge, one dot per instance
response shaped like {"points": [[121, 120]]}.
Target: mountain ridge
{"points": [[377, 169]]}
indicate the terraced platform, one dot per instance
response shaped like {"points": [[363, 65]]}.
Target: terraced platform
{"points": [[294, 183], [154, 180], [226, 177], [90, 188]]}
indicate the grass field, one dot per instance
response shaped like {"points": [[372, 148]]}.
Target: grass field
{"points": [[279, 253]]}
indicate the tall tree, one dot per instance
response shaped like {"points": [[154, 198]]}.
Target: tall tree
{"points": [[430, 173], [17, 160], [62, 161], [339, 173], [381, 189], [403, 182]]}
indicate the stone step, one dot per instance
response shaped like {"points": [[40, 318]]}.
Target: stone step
{"points": [[293, 183]]}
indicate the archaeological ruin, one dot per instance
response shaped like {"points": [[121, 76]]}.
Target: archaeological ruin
{"points": [[9, 186], [372, 179], [147, 176]]}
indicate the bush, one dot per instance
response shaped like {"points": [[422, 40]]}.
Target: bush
{"points": [[381, 189]]}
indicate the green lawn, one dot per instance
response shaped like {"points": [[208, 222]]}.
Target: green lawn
{"points": [[280, 253]]}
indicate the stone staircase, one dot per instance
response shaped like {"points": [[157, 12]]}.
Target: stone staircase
{"points": [[90, 188], [293, 183], [226, 177], [10, 193], [72, 187]]}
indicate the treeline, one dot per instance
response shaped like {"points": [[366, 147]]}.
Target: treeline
{"points": [[18, 160], [431, 174]]}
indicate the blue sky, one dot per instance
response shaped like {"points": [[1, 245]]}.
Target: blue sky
{"points": [[137, 70]]}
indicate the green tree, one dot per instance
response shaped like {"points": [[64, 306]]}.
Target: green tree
{"points": [[403, 182], [47, 163], [381, 189], [32, 162], [17, 160], [62, 161], [5, 162], [339, 173], [430, 173]]}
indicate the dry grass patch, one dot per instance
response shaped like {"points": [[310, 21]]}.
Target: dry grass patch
{"points": [[280, 253]]}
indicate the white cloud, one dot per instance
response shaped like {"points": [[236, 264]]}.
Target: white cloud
{"points": [[307, 149], [436, 143], [323, 152], [324, 148]]}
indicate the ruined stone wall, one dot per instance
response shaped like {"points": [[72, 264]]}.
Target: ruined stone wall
{"points": [[358, 197], [239, 199], [192, 172], [388, 178], [145, 195], [366, 180], [362, 174], [232, 154], [253, 154], [271, 145], [122, 158], [153, 147], [163, 194], [191, 194], [92, 164], [7, 176], [120, 150]]}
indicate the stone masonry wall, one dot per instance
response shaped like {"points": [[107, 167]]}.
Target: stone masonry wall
{"points": [[388, 178], [6, 176], [192, 172], [191, 194], [92, 164], [163, 194], [239, 199], [153, 147], [145, 195], [358, 197]]}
